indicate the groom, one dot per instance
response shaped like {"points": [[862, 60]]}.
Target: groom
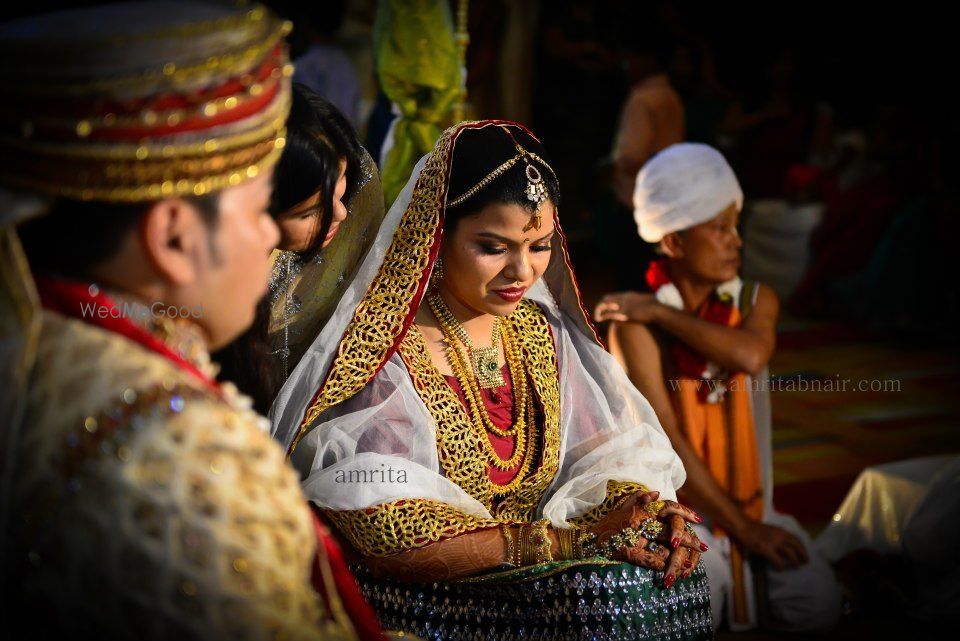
{"points": [[144, 498]]}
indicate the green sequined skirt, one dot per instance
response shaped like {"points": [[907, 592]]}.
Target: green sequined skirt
{"points": [[592, 600]]}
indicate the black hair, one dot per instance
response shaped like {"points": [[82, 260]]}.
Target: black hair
{"points": [[476, 153], [318, 138], [75, 236]]}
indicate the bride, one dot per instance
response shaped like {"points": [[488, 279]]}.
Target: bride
{"points": [[459, 423]]}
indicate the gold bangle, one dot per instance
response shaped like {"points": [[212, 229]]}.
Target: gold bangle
{"points": [[540, 542], [511, 554], [565, 543], [521, 544]]}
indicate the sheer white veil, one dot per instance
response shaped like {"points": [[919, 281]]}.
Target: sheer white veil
{"points": [[350, 405]]}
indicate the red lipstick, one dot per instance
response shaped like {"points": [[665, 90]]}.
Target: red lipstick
{"points": [[510, 294]]}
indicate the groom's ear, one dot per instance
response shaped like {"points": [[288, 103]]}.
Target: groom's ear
{"points": [[173, 233]]}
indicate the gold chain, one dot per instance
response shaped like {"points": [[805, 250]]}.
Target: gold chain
{"points": [[524, 418], [485, 360], [469, 384], [459, 444]]}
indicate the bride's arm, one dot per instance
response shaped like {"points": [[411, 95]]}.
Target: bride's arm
{"points": [[453, 558]]}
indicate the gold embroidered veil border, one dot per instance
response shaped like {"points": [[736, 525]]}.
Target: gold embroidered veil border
{"points": [[385, 311]]}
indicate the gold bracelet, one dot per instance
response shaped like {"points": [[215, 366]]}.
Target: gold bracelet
{"points": [[540, 542], [521, 545], [565, 543], [511, 544], [583, 544]]}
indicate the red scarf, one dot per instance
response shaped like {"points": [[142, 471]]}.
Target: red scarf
{"points": [[687, 362], [86, 302]]}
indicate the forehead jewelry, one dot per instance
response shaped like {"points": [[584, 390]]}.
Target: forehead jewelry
{"points": [[536, 189]]}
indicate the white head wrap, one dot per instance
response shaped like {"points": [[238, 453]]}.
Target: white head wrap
{"points": [[684, 185]]}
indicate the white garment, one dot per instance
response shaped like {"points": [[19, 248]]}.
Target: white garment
{"points": [[684, 185], [608, 429], [608, 432], [799, 599], [910, 508], [881, 503]]}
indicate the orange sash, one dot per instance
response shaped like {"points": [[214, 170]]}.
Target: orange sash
{"points": [[723, 436]]}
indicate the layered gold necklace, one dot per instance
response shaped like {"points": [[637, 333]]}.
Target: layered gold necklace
{"points": [[523, 407], [483, 359]]}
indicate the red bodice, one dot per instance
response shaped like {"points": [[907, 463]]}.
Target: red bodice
{"points": [[499, 404]]}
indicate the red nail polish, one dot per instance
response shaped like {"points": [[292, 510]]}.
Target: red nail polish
{"points": [[687, 564], [667, 582], [698, 518], [675, 542], [704, 547]]}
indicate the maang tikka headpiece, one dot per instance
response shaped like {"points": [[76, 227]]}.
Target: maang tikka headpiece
{"points": [[536, 189]]}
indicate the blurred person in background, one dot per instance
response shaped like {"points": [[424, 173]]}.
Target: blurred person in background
{"points": [[693, 346]]}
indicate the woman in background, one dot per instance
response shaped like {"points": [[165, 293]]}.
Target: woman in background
{"points": [[326, 194]]}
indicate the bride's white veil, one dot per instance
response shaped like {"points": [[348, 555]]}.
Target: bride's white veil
{"points": [[350, 405]]}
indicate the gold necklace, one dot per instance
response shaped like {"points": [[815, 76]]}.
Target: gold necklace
{"points": [[479, 417], [469, 384], [483, 359]]}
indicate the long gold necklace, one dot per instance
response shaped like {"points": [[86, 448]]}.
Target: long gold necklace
{"points": [[480, 418], [483, 359]]}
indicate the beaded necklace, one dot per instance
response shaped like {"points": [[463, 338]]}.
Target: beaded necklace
{"points": [[479, 417]]}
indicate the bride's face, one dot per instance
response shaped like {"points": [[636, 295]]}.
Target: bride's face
{"points": [[489, 261]]}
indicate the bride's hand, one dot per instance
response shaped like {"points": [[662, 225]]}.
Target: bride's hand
{"points": [[674, 550], [630, 513], [685, 547]]}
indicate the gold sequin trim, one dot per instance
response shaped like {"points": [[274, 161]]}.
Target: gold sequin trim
{"points": [[169, 117], [617, 492], [107, 433], [174, 186], [260, 41], [258, 127], [403, 525]]}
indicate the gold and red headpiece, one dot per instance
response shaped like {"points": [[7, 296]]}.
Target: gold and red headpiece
{"points": [[138, 101]]}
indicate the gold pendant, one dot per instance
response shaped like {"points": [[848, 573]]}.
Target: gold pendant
{"points": [[485, 368]]}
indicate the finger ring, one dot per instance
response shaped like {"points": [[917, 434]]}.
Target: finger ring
{"points": [[653, 507], [651, 528], [689, 529], [653, 546]]}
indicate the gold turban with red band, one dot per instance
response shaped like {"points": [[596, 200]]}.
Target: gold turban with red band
{"points": [[139, 101]]}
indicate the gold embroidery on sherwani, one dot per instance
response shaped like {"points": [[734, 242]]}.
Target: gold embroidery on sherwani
{"points": [[165, 493]]}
